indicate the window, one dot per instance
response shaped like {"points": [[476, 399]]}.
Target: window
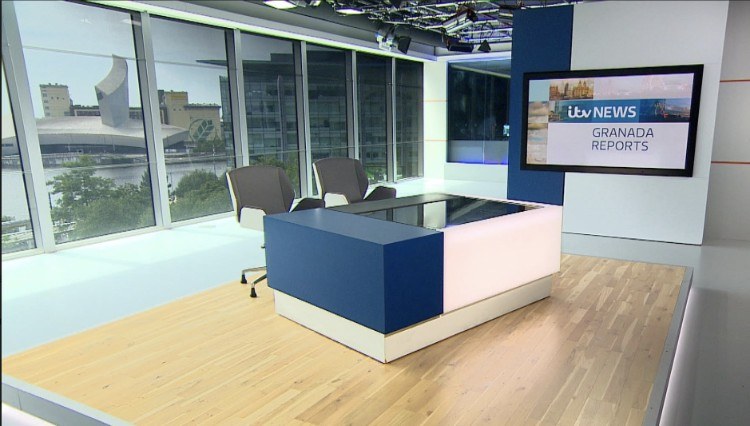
{"points": [[372, 94], [268, 69], [18, 234], [96, 167], [326, 79], [193, 90], [409, 118], [478, 114], [86, 108]]}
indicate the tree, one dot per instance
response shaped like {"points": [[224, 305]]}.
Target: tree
{"points": [[199, 193], [78, 188], [96, 205], [210, 146]]}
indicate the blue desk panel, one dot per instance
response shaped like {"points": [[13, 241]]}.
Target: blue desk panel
{"points": [[382, 275]]}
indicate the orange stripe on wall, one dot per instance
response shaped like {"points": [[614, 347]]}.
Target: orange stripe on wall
{"points": [[734, 163], [745, 80]]}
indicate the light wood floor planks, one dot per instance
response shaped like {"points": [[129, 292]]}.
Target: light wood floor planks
{"points": [[586, 355]]}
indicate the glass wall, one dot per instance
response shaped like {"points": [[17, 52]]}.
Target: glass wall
{"points": [[326, 91], [83, 79], [270, 89], [372, 94], [409, 118], [191, 75], [477, 116], [18, 233], [82, 69]]}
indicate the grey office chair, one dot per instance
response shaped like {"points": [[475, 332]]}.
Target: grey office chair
{"points": [[344, 181], [260, 190]]}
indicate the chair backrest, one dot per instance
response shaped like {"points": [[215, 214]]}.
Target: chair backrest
{"points": [[343, 176], [261, 187]]}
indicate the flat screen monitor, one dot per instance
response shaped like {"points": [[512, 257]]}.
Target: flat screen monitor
{"points": [[626, 121]]}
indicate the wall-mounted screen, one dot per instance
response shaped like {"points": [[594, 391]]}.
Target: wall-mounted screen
{"points": [[627, 121]]}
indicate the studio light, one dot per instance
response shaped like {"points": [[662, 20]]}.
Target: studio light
{"points": [[282, 4], [403, 44], [290, 4], [385, 37], [459, 21], [456, 46], [485, 47], [347, 8]]}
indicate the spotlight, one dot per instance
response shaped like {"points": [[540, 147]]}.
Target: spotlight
{"points": [[403, 44], [464, 18], [284, 4], [454, 45], [385, 37], [347, 8], [485, 47]]}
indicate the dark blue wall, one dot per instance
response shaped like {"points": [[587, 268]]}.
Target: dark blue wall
{"points": [[542, 41]]}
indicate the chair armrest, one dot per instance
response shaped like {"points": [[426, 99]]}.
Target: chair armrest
{"points": [[333, 199], [308, 203], [381, 193]]}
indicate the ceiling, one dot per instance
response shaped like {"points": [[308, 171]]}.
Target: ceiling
{"points": [[431, 27], [469, 22]]}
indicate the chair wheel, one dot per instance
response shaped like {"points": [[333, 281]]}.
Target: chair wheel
{"points": [[243, 280]]}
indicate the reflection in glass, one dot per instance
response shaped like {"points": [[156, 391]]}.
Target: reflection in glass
{"points": [[326, 77], [372, 92], [18, 233], [194, 94], [409, 112], [271, 104], [81, 66], [435, 211]]}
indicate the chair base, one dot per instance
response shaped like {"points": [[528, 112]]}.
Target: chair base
{"points": [[243, 280]]}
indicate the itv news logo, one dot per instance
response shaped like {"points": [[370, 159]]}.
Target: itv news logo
{"points": [[609, 111]]}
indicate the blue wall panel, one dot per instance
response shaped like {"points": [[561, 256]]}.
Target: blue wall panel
{"points": [[542, 41], [382, 275]]}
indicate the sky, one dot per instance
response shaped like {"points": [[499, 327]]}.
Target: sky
{"points": [[73, 44]]}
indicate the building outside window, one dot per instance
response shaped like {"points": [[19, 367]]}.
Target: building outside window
{"points": [[82, 69], [409, 118], [328, 101], [80, 57], [191, 76], [270, 90], [372, 93], [18, 233]]}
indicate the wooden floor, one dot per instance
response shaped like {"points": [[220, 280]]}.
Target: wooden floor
{"points": [[586, 355]]}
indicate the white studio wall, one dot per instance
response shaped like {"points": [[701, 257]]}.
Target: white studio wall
{"points": [[641, 34], [435, 115], [728, 189]]}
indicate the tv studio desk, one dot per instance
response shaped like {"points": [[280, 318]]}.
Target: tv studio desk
{"points": [[390, 277]]}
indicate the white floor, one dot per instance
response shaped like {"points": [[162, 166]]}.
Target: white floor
{"points": [[50, 296]]}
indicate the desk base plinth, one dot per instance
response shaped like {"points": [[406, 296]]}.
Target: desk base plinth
{"points": [[388, 347]]}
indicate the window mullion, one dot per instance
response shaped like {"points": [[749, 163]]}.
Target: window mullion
{"points": [[19, 94], [152, 120], [237, 87]]}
